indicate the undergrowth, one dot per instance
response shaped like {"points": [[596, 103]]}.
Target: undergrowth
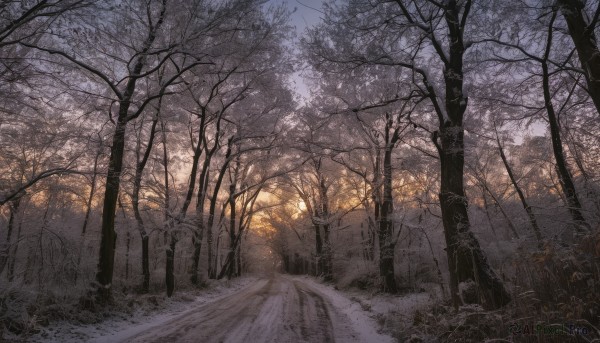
{"points": [[556, 298]]}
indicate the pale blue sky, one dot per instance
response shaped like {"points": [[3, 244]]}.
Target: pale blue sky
{"points": [[307, 14]]}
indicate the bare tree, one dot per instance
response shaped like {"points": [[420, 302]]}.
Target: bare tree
{"points": [[429, 41], [145, 60], [546, 67]]}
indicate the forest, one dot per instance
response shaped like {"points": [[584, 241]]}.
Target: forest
{"points": [[395, 147]]}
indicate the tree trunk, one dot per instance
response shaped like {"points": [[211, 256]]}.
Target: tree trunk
{"points": [[88, 211], [244, 222], [127, 249], [511, 226], [88, 205], [586, 44], [232, 237], [13, 258], [386, 242], [211, 215], [170, 267], [234, 260], [5, 249], [197, 235], [201, 198], [127, 238], [318, 248], [327, 254], [108, 236], [327, 250], [566, 181], [45, 224], [532, 220], [466, 260], [197, 242], [377, 199], [135, 201], [169, 227], [145, 263], [238, 258]]}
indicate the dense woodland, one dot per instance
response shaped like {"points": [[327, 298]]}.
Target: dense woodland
{"points": [[147, 146]]}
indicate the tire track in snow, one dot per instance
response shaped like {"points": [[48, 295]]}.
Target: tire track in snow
{"points": [[275, 310], [312, 303]]}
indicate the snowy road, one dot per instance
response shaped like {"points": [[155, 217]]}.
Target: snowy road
{"points": [[279, 309]]}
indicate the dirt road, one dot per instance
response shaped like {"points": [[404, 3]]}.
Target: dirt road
{"points": [[278, 309]]}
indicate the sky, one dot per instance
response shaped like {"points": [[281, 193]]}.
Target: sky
{"points": [[306, 14]]}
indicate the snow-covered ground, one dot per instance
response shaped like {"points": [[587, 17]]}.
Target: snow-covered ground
{"points": [[375, 313], [120, 326], [362, 321], [277, 308]]}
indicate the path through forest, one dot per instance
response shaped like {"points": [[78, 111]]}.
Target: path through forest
{"points": [[275, 309]]}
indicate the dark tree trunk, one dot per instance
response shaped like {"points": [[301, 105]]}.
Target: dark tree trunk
{"points": [[198, 234], [127, 249], [170, 266], [127, 238], [238, 259], [135, 200], [201, 198], [5, 249], [232, 237], [487, 190], [88, 205], [145, 263], [211, 215], [386, 240], [367, 242], [564, 175], [327, 255], [169, 227], [13, 257], [327, 250], [197, 242], [532, 220], [586, 44], [466, 260], [217, 256], [88, 211], [316, 265], [377, 199], [197, 238], [234, 261], [45, 224], [318, 248], [108, 236], [111, 194]]}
